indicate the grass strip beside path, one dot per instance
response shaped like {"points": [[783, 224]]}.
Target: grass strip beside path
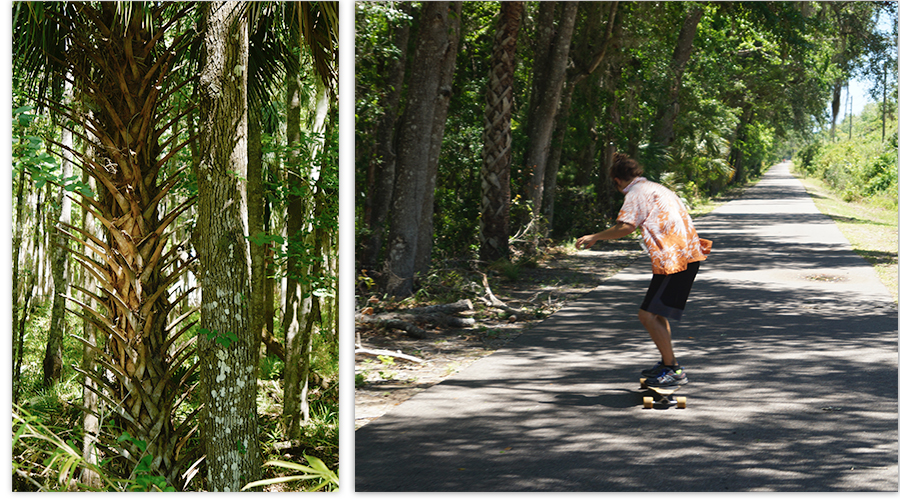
{"points": [[871, 229]]}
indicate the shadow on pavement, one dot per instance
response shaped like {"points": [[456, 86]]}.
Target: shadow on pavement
{"points": [[793, 384]]}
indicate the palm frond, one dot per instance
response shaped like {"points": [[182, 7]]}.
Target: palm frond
{"points": [[317, 27]]}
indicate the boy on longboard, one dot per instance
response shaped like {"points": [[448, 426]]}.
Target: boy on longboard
{"points": [[676, 251]]}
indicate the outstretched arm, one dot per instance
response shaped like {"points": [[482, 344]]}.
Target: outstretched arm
{"points": [[620, 230]]}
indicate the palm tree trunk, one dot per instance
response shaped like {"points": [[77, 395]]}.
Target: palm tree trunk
{"points": [[497, 154], [116, 61]]}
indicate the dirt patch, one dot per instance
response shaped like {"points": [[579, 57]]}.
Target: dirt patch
{"points": [[383, 382]]}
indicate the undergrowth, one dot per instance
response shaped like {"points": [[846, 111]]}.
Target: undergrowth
{"points": [[47, 425]]}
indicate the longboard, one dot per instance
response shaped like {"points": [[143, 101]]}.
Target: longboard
{"points": [[665, 396]]}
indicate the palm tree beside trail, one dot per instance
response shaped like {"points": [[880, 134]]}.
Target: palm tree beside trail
{"points": [[497, 155], [123, 73]]}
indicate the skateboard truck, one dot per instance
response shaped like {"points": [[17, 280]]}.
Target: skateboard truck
{"points": [[665, 396]]}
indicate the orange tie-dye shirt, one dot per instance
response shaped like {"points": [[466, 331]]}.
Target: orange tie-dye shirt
{"points": [[666, 227]]}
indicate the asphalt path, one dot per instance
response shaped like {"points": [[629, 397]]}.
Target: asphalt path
{"points": [[789, 341]]}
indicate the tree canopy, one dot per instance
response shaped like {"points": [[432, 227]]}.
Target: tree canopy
{"points": [[704, 94]]}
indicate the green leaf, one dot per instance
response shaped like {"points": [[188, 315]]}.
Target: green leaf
{"points": [[22, 109], [276, 480]]}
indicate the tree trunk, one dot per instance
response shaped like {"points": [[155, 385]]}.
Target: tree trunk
{"points": [[62, 213], [587, 57], [301, 305], [836, 91], [493, 231], [269, 285], [883, 101], [413, 152], [604, 186], [123, 68], [17, 335], [552, 56], [665, 118], [90, 421], [30, 284], [382, 168], [297, 307], [736, 156], [227, 348], [255, 224], [436, 139]]}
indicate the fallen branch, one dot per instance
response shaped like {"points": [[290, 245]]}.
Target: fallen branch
{"points": [[491, 300], [385, 352]]}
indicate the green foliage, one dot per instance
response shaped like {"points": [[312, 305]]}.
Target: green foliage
{"points": [[30, 154], [506, 269], [62, 460], [760, 76], [223, 339], [31, 440], [314, 175], [323, 477], [144, 480], [857, 168], [271, 368]]}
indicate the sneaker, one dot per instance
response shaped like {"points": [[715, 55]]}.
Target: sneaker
{"points": [[655, 371], [668, 377]]}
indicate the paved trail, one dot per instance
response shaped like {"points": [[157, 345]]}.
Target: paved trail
{"points": [[790, 343]]}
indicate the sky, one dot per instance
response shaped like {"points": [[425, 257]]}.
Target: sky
{"points": [[859, 90]]}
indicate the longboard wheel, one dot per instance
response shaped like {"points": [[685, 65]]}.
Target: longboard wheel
{"points": [[643, 383], [681, 401], [648, 402]]}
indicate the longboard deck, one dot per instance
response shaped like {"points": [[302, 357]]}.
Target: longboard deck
{"points": [[665, 394]]}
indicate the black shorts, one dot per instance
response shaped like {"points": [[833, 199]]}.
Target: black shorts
{"points": [[668, 293]]}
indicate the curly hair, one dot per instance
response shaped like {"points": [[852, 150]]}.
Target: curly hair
{"points": [[624, 168]]}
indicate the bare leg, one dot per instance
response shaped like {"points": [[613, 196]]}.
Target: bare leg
{"points": [[660, 333]]}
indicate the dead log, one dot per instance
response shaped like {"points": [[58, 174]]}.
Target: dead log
{"points": [[392, 322], [456, 307], [408, 319]]}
